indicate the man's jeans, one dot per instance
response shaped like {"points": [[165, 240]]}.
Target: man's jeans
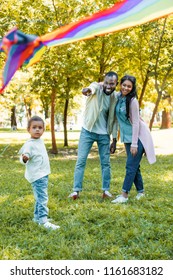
{"points": [[40, 189], [85, 143], [133, 174]]}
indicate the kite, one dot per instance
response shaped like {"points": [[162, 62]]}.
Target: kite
{"points": [[23, 49]]}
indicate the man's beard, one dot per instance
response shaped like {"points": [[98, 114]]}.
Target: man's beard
{"points": [[107, 93]]}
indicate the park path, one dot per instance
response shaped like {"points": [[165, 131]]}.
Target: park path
{"points": [[162, 138], [163, 141]]}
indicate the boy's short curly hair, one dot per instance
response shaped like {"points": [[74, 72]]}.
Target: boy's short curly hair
{"points": [[34, 118]]}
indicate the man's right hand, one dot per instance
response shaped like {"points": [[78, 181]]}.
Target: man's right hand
{"points": [[86, 91]]}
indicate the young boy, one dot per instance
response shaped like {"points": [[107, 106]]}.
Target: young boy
{"points": [[34, 156]]}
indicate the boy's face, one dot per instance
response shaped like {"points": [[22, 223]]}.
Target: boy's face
{"points": [[36, 129]]}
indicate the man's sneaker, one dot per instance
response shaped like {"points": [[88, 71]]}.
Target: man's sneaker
{"points": [[120, 199], [49, 225], [74, 195], [140, 195], [107, 194]]}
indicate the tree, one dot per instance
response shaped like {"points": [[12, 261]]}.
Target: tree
{"points": [[53, 101], [166, 113], [150, 48], [163, 68], [144, 51]]}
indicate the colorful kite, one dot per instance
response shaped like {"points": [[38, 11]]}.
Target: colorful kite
{"points": [[27, 49]]}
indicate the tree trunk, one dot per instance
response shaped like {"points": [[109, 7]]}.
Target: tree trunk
{"points": [[52, 121], [166, 120], [101, 61], [65, 123], [143, 89], [166, 114], [46, 112], [28, 109], [13, 118], [29, 112], [158, 86], [155, 109]]}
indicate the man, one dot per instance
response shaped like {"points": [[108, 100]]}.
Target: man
{"points": [[97, 126]]}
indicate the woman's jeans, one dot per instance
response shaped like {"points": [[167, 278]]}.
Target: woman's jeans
{"points": [[40, 189], [133, 174], [85, 143]]}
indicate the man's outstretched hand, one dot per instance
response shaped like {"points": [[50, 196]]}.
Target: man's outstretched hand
{"points": [[86, 91]]}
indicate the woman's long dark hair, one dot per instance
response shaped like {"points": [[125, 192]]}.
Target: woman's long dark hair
{"points": [[131, 94]]}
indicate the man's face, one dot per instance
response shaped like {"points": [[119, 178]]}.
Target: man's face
{"points": [[109, 84]]}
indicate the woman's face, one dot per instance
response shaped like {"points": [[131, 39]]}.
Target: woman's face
{"points": [[126, 87]]}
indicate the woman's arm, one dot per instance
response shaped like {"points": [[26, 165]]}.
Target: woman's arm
{"points": [[134, 118]]}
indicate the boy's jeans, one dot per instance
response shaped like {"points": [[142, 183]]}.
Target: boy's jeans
{"points": [[85, 143], [40, 189], [133, 174]]}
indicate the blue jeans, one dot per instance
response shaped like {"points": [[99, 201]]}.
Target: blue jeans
{"points": [[133, 173], [85, 143], [40, 189]]}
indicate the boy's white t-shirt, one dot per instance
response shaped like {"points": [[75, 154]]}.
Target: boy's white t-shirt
{"points": [[38, 164]]}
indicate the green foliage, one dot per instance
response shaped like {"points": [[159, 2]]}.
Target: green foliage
{"points": [[91, 229], [142, 51]]}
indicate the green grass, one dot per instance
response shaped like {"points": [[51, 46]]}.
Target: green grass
{"points": [[91, 229]]}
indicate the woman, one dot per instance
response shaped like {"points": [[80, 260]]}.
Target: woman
{"points": [[136, 136]]}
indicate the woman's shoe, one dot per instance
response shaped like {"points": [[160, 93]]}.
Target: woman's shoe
{"points": [[140, 195], [120, 199]]}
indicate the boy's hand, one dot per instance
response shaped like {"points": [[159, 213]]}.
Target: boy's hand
{"points": [[25, 158]]}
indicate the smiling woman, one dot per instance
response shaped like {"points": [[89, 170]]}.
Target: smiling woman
{"points": [[126, 87], [135, 135]]}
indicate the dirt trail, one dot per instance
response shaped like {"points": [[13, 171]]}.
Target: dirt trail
{"points": [[163, 141]]}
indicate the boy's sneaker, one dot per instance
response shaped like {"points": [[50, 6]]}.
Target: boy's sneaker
{"points": [[74, 195], [106, 194], [140, 195], [120, 199], [35, 220], [49, 225]]}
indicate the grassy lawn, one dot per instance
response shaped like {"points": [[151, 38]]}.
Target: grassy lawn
{"points": [[91, 229]]}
